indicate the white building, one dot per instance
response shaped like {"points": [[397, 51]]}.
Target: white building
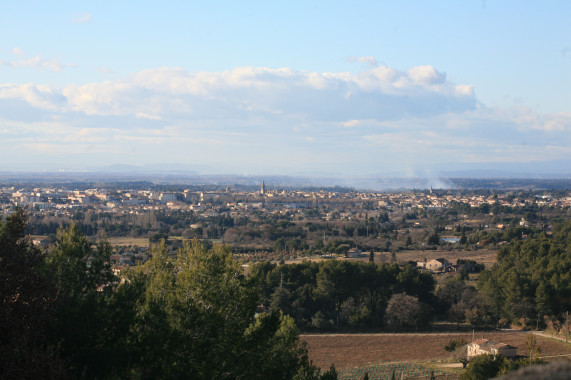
{"points": [[485, 346]]}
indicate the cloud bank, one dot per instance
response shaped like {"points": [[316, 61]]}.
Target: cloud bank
{"points": [[380, 93], [275, 120]]}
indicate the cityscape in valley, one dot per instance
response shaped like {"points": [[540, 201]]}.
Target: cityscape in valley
{"points": [[267, 223], [285, 190], [426, 263]]}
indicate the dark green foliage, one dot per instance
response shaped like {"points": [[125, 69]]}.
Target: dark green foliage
{"points": [[156, 238], [484, 367], [434, 238], [461, 303], [331, 374], [200, 310], [79, 273], [470, 266], [65, 315], [338, 294], [532, 277], [26, 307]]}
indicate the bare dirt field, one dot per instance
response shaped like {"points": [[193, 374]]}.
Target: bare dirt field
{"points": [[484, 256], [356, 350], [126, 241]]}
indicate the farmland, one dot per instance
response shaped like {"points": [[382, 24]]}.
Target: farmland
{"points": [[359, 350], [484, 256], [392, 371]]}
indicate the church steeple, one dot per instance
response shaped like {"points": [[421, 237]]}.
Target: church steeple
{"points": [[263, 189]]}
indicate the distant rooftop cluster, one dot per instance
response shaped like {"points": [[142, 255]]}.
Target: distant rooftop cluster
{"points": [[63, 199]]}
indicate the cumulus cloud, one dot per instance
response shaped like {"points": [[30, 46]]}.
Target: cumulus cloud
{"points": [[379, 115], [40, 96], [379, 93], [426, 75]]}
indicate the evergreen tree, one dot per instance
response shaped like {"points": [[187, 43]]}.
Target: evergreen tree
{"points": [[26, 307]]}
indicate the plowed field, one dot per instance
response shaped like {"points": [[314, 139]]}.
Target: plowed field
{"points": [[357, 350]]}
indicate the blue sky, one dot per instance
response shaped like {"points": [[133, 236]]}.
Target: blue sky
{"points": [[286, 87]]}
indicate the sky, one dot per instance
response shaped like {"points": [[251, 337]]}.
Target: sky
{"points": [[297, 87]]}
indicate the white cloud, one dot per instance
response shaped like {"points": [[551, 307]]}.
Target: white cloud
{"points": [[398, 117], [40, 96], [381, 93], [426, 75], [36, 63], [370, 61], [81, 18], [18, 52]]}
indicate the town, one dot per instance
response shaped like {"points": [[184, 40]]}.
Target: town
{"points": [[265, 223], [334, 260]]}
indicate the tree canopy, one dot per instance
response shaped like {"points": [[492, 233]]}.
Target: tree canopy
{"points": [[532, 277], [339, 294], [189, 315]]}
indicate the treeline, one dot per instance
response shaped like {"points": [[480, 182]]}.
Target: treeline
{"points": [[532, 278], [93, 223], [189, 315], [338, 294]]}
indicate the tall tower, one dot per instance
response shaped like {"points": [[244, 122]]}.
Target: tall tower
{"points": [[263, 189]]}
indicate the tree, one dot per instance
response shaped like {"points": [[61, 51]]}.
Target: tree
{"points": [[533, 350], [280, 299], [484, 367], [196, 319], [74, 267], [408, 241], [454, 344], [450, 292], [272, 350], [531, 277], [404, 311], [463, 239], [331, 374], [433, 239], [27, 305], [78, 272], [459, 350]]}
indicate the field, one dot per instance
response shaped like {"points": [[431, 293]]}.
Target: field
{"points": [[484, 256], [126, 241], [392, 371], [360, 350]]}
